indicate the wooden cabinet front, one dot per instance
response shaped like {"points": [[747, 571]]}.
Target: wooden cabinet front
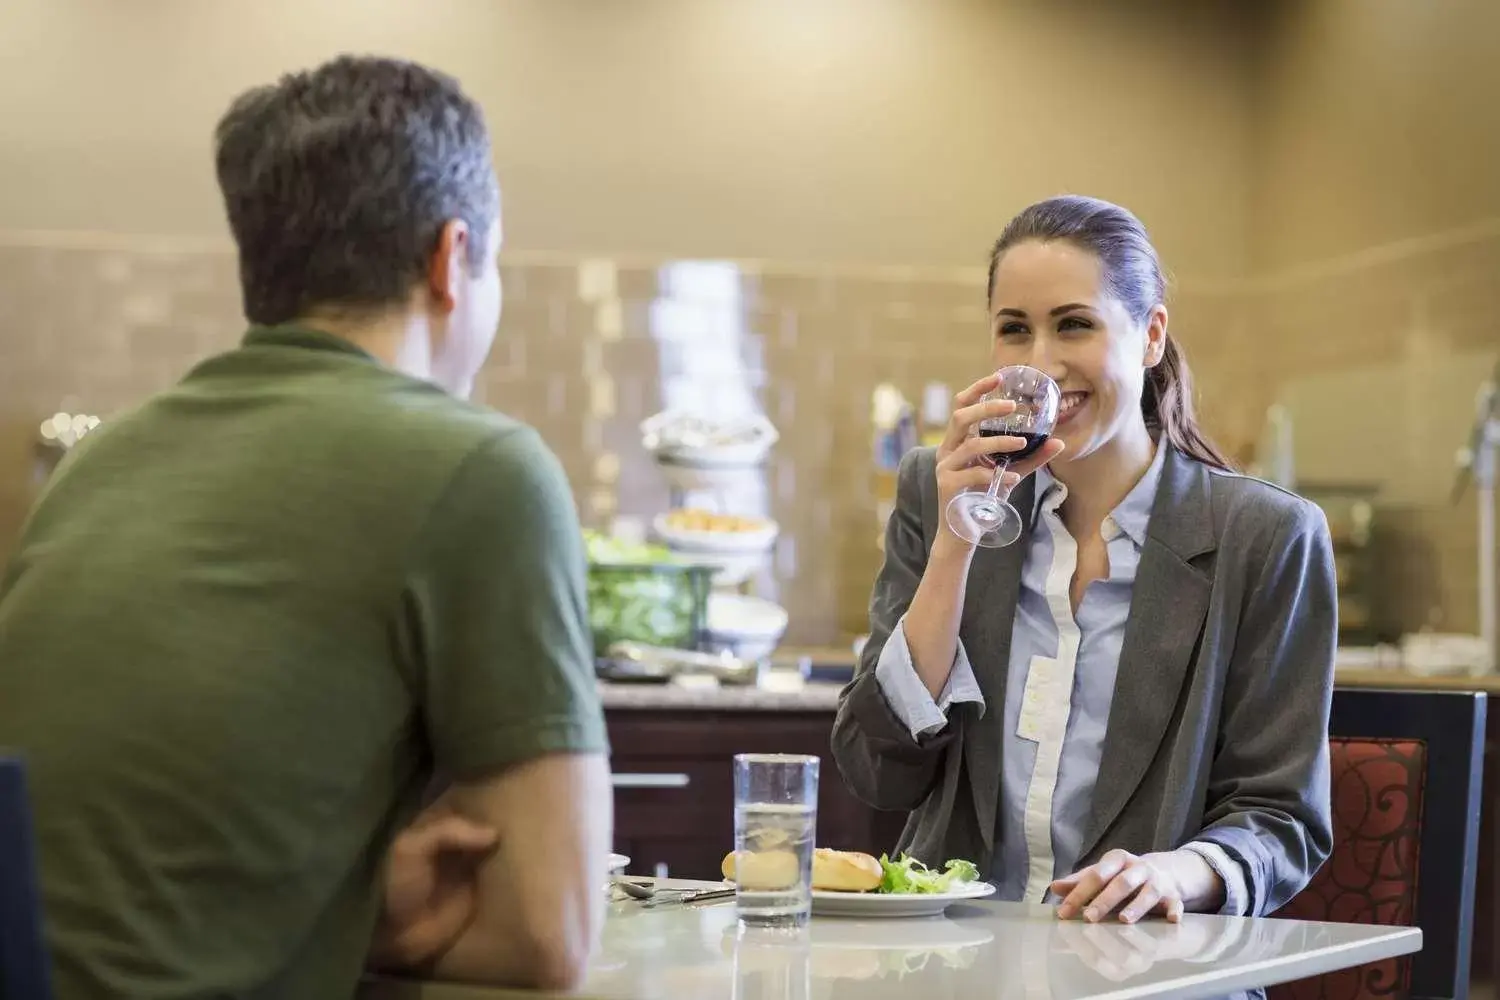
{"points": [[674, 800]]}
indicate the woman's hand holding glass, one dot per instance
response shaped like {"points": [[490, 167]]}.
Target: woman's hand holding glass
{"points": [[966, 461]]}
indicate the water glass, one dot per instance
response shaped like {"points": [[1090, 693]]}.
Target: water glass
{"points": [[775, 826]]}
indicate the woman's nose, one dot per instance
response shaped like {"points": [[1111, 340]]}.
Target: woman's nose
{"points": [[1044, 359]]}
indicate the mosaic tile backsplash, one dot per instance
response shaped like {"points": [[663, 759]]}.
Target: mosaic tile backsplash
{"points": [[590, 348]]}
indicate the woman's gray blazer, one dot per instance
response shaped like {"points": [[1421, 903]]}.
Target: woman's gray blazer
{"points": [[1219, 726]]}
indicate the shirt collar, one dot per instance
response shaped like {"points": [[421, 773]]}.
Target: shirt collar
{"points": [[1130, 517], [294, 335]]}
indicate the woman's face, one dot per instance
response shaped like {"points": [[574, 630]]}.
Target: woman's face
{"points": [[1050, 309]]}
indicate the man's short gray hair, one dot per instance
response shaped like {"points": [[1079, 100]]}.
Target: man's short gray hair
{"points": [[338, 181]]}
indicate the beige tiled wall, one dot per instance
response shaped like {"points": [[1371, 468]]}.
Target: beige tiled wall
{"points": [[1380, 355], [585, 347]]}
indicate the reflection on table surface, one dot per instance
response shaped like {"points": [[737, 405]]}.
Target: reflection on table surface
{"points": [[976, 950]]}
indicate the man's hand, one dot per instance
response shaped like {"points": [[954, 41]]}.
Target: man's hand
{"points": [[1136, 887], [431, 888], [540, 906]]}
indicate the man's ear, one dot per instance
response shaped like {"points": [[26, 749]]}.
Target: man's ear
{"points": [[449, 264]]}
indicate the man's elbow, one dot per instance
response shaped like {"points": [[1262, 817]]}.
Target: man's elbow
{"points": [[553, 967], [555, 959], [557, 934]]}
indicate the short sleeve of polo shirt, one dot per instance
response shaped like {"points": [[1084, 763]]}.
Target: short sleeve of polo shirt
{"points": [[498, 599]]}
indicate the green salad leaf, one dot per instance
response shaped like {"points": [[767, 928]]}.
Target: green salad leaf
{"points": [[908, 875], [639, 592]]}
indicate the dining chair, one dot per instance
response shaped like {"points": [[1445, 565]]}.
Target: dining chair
{"points": [[24, 966], [1406, 770]]}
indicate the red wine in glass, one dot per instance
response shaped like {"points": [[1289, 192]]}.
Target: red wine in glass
{"points": [[1033, 439], [987, 519]]}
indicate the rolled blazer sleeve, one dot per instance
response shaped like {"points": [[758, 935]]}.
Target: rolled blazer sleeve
{"points": [[1268, 796], [883, 764]]}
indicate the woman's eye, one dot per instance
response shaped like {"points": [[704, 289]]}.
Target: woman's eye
{"points": [[1074, 323], [1012, 329]]}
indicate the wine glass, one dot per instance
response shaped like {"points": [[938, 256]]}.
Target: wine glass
{"points": [[987, 519]]}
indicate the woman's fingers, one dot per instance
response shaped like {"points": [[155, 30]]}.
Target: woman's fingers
{"points": [[1087, 884], [988, 449], [976, 390], [970, 412], [1046, 453], [1145, 901], [1120, 890], [970, 454]]}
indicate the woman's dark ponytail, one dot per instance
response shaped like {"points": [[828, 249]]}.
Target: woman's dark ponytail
{"points": [[1167, 403]]}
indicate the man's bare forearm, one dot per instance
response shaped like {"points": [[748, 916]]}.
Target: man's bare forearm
{"points": [[541, 904]]}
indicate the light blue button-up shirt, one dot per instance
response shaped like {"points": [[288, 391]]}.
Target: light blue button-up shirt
{"points": [[1060, 685]]}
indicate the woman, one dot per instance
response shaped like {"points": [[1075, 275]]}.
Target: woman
{"points": [[1127, 710]]}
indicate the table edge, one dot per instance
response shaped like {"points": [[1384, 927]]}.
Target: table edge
{"points": [[1399, 941]]}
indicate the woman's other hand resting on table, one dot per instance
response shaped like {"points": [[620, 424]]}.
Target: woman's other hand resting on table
{"points": [[1139, 886]]}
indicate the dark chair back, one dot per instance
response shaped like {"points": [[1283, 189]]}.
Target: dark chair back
{"points": [[24, 967], [1406, 771]]}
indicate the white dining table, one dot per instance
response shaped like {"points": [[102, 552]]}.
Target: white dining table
{"points": [[975, 951]]}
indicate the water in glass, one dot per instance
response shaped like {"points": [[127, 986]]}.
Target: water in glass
{"points": [[775, 829]]}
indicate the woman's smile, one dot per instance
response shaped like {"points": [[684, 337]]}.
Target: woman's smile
{"points": [[1073, 403]]}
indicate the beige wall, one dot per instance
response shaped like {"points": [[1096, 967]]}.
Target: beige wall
{"points": [[814, 136], [1376, 121], [902, 131], [1320, 181], [1375, 306]]}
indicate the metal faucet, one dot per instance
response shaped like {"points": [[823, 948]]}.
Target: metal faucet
{"points": [[1477, 462]]}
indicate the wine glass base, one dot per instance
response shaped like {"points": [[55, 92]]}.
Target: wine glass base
{"points": [[1000, 536], [984, 521]]}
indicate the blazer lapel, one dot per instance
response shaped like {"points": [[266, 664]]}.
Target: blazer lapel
{"points": [[1167, 609], [989, 614]]}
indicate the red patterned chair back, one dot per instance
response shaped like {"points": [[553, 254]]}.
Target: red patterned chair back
{"points": [[1406, 768], [1372, 875]]}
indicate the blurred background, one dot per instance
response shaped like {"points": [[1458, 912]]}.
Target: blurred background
{"points": [[781, 210]]}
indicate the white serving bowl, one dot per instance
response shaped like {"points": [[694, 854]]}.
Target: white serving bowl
{"points": [[749, 627], [734, 556], [691, 477], [687, 440]]}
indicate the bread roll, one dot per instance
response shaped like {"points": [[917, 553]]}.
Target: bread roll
{"points": [[832, 871], [845, 871], [763, 871]]}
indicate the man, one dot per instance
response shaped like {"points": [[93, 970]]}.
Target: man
{"points": [[246, 622]]}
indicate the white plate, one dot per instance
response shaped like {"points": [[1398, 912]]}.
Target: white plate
{"points": [[905, 904], [618, 863]]}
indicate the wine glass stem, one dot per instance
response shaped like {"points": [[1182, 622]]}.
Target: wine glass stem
{"points": [[995, 491]]}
